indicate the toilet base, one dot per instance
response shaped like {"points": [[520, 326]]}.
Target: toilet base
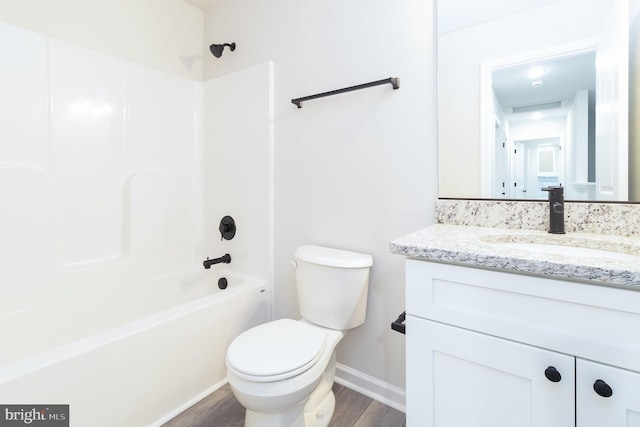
{"points": [[315, 411], [294, 417], [322, 414]]}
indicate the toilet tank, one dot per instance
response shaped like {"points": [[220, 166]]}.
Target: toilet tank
{"points": [[332, 286]]}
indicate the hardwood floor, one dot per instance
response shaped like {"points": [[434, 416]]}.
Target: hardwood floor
{"points": [[221, 409]]}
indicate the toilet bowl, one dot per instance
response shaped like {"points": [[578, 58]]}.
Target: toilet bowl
{"points": [[282, 371], [286, 379]]}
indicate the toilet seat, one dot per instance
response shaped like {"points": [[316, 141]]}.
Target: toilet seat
{"points": [[276, 350]]}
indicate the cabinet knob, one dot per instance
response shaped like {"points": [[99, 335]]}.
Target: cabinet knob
{"points": [[552, 374], [602, 388]]}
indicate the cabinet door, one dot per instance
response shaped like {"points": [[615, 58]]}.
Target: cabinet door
{"points": [[457, 378], [621, 408]]}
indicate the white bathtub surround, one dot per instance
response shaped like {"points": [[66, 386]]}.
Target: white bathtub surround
{"points": [[107, 216], [237, 166], [99, 178], [98, 168], [616, 219]]}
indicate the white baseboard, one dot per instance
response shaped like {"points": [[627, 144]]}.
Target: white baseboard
{"points": [[367, 385], [189, 403], [388, 394]]}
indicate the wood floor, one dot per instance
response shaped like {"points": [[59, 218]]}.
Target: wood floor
{"points": [[221, 409]]}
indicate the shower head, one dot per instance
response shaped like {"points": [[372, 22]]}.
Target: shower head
{"points": [[217, 49]]}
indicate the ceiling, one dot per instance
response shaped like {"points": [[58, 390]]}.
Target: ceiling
{"points": [[200, 4], [456, 14]]}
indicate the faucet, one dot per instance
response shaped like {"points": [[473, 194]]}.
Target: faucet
{"points": [[556, 209], [226, 259]]}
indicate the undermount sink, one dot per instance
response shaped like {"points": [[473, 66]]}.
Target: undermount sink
{"points": [[566, 245]]}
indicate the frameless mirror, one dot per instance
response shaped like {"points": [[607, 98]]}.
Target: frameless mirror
{"points": [[534, 93]]}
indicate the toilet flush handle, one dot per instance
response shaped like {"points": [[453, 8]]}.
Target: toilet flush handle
{"points": [[293, 263]]}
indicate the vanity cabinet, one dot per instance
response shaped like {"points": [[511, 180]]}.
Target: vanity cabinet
{"points": [[472, 379], [495, 349], [622, 408]]}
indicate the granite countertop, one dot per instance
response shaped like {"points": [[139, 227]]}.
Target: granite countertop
{"points": [[485, 247]]}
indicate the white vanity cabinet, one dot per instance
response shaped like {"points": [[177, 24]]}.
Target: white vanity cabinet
{"points": [[469, 379], [493, 349], [621, 409]]}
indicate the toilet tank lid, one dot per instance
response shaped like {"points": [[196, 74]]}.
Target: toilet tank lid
{"points": [[333, 257]]}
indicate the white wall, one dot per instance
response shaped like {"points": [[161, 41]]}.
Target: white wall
{"points": [[352, 171], [161, 34], [459, 76], [539, 129]]}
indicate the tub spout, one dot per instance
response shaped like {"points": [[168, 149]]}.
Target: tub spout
{"points": [[226, 258]]}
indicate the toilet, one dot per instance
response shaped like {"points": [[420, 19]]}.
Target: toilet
{"points": [[282, 371]]}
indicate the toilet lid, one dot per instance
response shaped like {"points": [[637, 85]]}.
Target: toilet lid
{"points": [[276, 350]]}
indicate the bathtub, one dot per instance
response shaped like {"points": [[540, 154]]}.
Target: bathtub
{"points": [[136, 370]]}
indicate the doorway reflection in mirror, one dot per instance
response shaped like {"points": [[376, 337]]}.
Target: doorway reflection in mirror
{"points": [[544, 113]]}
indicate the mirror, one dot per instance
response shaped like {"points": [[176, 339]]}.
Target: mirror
{"points": [[534, 93]]}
